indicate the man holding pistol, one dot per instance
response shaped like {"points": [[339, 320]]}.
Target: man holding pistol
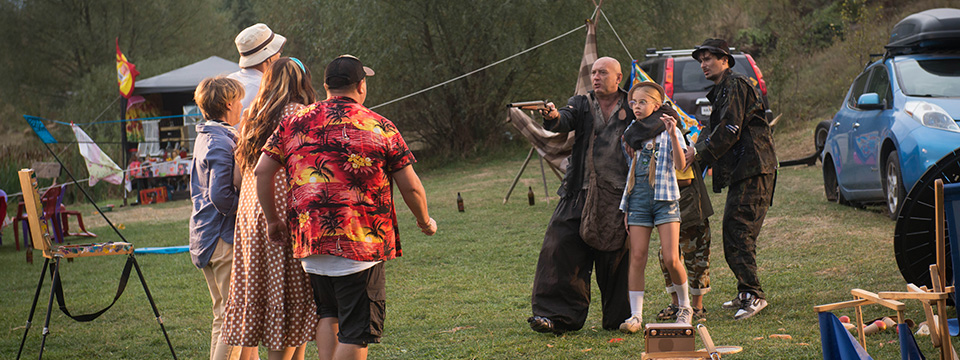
{"points": [[586, 230]]}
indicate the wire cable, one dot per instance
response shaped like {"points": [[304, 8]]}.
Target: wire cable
{"points": [[615, 34], [478, 70]]}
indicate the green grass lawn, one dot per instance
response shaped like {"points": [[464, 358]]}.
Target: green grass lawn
{"points": [[465, 292]]}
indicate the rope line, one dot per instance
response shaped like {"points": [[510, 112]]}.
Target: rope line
{"points": [[478, 70], [118, 121], [615, 34], [107, 107]]}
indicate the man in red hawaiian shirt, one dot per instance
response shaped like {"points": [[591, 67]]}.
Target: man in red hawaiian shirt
{"points": [[341, 160]]}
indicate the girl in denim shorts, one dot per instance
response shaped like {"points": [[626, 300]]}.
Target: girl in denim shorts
{"points": [[651, 196]]}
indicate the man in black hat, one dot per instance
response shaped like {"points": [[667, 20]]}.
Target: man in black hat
{"points": [[739, 146]]}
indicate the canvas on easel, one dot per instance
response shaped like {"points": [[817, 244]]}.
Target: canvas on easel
{"points": [[41, 241]]}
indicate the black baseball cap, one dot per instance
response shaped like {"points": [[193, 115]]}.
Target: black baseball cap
{"points": [[717, 47], [345, 70]]}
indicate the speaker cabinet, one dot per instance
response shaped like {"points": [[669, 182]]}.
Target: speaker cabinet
{"points": [[669, 337]]}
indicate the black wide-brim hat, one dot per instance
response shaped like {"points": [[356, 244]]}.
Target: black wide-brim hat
{"points": [[717, 47]]}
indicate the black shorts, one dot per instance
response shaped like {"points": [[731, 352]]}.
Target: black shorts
{"points": [[358, 301]]}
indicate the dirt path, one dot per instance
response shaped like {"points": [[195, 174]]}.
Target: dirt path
{"points": [[176, 211]]}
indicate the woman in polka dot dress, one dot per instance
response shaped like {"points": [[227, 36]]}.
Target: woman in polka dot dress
{"points": [[271, 299]]}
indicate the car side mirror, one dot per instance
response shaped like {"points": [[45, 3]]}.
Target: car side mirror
{"points": [[870, 101]]}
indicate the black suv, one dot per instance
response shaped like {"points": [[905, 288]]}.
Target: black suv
{"points": [[680, 75]]}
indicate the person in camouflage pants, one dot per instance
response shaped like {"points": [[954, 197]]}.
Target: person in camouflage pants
{"points": [[695, 209], [739, 146]]}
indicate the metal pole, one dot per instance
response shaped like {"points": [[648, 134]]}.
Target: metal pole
{"points": [[153, 305], [33, 308], [53, 289], [519, 173], [543, 175], [123, 147]]}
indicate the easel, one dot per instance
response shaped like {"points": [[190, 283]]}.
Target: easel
{"points": [[543, 175], [41, 241]]}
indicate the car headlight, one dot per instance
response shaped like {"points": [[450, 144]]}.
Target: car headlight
{"points": [[931, 115]]}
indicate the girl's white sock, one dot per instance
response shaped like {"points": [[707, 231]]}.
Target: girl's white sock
{"points": [[636, 303], [683, 294]]}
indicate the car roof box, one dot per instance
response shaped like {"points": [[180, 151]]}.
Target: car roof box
{"points": [[925, 31]]}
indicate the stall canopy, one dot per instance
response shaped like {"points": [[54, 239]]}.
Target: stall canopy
{"points": [[187, 78], [160, 130]]}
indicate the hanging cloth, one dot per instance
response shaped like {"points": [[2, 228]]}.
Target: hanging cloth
{"points": [[99, 165]]}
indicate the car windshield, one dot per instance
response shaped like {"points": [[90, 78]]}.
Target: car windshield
{"points": [[930, 78]]}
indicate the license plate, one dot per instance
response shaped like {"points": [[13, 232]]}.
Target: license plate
{"points": [[706, 110]]}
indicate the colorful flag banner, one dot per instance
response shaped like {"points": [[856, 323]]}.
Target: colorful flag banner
{"points": [[690, 125], [126, 73]]}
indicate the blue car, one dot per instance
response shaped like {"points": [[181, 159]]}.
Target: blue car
{"points": [[899, 117]]}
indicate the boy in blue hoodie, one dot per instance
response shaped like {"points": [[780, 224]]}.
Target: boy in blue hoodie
{"points": [[214, 191]]}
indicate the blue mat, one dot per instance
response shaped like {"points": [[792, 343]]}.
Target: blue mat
{"points": [[837, 343], [162, 250], [908, 345]]}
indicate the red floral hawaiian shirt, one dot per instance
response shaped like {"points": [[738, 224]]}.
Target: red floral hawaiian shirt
{"points": [[339, 156]]}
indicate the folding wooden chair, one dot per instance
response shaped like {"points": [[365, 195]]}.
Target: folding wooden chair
{"points": [[862, 297], [40, 236], [937, 296]]}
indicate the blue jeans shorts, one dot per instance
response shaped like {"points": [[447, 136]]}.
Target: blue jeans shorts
{"points": [[642, 209]]}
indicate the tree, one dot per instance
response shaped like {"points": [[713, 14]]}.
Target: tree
{"points": [[58, 43], [417, 44], [57, 59]]}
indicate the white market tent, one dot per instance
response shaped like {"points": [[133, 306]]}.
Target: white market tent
{"points": [[186, 78], [172, 93]]}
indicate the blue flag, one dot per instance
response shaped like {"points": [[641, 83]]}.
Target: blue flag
{"points": [[37, 125]]}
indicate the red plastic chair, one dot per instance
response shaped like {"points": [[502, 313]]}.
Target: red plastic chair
{"points": [[3, 214], [52, 200], [64, 214]]}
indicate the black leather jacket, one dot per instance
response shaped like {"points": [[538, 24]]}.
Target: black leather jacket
{"points": [[739, 144], [608, 157]]}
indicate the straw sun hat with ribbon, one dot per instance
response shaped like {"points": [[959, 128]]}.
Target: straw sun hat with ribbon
{"points": [[258, 43]]}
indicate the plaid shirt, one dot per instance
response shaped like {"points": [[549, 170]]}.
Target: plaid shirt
{"points": [[665, 186]]}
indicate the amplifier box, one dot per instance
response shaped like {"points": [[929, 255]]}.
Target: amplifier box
{"points": [[669, 337]]}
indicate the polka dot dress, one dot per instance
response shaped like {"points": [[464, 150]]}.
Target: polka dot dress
{"points": [[271, 299]]}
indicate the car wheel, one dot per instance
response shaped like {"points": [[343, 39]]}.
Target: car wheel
{"points": [[893, 184], [820, 135], [914, 237], [830, 187]]}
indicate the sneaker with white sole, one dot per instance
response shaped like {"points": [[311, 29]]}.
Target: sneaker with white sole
{"points": [[732, 304], [749, 305], [631, 325], [685, 315]]}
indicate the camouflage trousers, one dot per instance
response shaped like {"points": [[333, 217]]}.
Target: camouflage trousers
{"points": [[743, 214], [695, 253]]}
